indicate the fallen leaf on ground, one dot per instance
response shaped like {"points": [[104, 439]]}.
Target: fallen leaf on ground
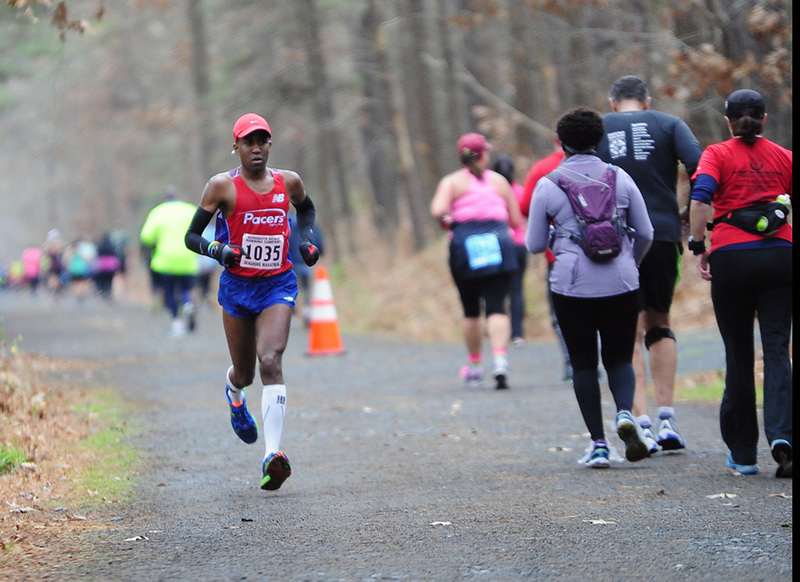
{"points": [[23, 510]]}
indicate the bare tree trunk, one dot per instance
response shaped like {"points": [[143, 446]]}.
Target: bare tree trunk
{"points": [[427, 146], [201, 84], [456, 122], [377, 131], [524, 97], [410, 184], [332, 167]]}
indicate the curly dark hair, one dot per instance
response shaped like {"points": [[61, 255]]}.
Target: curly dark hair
{"points": [[580, 130]]}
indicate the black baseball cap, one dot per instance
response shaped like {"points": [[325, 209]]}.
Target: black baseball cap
{"points": [[744, 102]]}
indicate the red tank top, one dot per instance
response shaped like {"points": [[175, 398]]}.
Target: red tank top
{"points": [[260, 225]]}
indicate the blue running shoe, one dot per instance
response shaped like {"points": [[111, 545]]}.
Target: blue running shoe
{"points": [[243, 423], [275, 470], [742, 469]]}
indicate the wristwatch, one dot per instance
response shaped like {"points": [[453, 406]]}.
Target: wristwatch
{"points": [[698, 247]]}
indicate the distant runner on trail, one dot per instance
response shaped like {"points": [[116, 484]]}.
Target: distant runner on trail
{"points": [[479, 209], [257, 287]]}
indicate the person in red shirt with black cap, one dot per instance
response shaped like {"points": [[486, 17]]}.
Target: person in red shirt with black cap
{"points": [[748, 181], [538, 171], [257, 287]]}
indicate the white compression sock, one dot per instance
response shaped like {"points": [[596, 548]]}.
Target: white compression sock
{"points": [[235, 394], [273, 408]]}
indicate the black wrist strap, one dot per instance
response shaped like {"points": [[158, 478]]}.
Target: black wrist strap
{"points": [[698, 247]]}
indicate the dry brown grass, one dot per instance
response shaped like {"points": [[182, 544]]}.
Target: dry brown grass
{"points": [[38, 501], [384, 292]]}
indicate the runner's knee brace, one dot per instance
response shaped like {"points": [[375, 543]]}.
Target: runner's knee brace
{"points": [[656, 334]]}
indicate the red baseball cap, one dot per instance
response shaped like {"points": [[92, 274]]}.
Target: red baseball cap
{"points": [[248, 123], [473, 142]]}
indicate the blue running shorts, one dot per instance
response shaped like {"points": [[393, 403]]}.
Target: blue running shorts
{"points": [[247, 298]]}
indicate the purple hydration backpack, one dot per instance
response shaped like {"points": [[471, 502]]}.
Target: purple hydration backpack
{"points": [[594, 204]]}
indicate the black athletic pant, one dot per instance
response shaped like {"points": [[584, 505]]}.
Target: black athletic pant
{"points": [[614, 318], [746, 284]]}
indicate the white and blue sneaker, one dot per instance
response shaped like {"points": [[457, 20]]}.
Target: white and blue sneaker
{"points": [[649, 439], [630, 433], [668, 437], [598, 458]]}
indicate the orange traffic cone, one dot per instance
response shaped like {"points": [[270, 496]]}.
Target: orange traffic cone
{"points": [[323, 335]]}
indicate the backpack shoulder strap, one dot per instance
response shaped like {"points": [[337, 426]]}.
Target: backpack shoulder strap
{"points": [[555, 176]]}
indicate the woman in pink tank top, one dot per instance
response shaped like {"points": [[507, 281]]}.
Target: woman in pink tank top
{"points": [[478, 207]]}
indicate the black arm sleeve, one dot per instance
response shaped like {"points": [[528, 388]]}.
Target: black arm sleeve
{"points": [[306, 215], [194, 240]]}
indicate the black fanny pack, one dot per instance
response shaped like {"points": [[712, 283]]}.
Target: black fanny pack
{"points": [[762, 219]]}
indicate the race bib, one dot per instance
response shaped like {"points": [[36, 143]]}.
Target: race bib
{"points": [[483, 250], [264, 251]]}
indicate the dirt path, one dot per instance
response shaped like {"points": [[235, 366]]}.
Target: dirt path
{"points": [[400, 472]]}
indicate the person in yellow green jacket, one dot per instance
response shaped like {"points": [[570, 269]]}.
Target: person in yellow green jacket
{"points": [[176, 266]]}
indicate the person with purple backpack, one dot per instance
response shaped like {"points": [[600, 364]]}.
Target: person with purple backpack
{"points": [[597, 295]]}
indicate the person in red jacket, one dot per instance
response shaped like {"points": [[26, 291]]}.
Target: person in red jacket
{"points": [[540, 169], [748, 181]]}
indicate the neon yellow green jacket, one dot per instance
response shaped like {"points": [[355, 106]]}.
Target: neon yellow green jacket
{"points": [[165, 229]]}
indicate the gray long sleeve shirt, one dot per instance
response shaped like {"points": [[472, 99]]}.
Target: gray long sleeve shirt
{"points": [[574, 274]]}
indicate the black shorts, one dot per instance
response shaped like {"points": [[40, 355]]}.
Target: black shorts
{"points": [[492, 289], [659, 272]]}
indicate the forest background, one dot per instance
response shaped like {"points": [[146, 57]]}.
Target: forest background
{"points": [[104, 104]]}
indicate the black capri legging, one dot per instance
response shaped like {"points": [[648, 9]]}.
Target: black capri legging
{"points": [[493, 290], [614, 317]]}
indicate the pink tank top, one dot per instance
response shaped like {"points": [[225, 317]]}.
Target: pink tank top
{"points": [[480, 202]]}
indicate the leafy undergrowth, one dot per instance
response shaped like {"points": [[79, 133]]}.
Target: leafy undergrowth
{"points": [[65, 462], [384, 291]]}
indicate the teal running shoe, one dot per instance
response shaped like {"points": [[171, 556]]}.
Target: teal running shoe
{"points": [[598, 459]]}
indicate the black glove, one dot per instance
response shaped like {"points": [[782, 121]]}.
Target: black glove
{"points": [[227, 255], [309, 252]]}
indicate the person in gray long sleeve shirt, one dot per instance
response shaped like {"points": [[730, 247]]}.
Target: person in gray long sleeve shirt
{"points": [[576, 274], [590, 297]]}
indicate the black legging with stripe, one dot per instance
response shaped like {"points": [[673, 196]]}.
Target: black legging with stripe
{"points": [[614, 318]]}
